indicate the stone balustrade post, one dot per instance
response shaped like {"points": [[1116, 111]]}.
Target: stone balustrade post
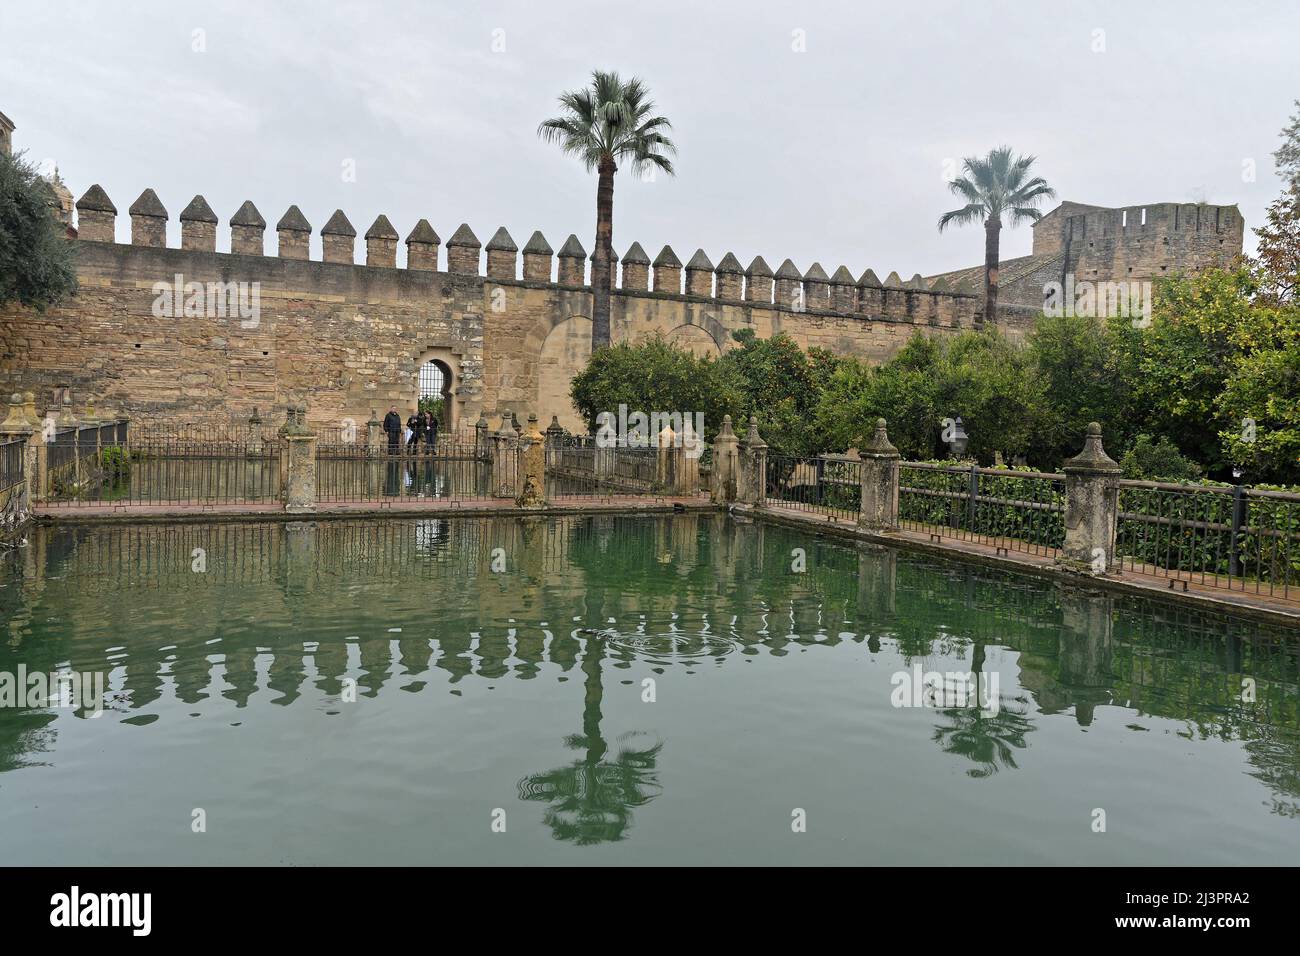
{"points": [[751, 478], [532, 490], [300, 472], [665, 467], [505, 459], [554, 443], [253, 435], [602, 459], [1091, 508], [878, 509], [725, 464]]}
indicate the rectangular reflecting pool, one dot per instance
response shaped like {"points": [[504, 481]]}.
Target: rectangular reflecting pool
{"points": [[687, 689]]}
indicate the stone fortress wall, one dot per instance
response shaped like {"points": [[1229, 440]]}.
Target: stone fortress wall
{"points": [[1100, 244], [349, 339]]}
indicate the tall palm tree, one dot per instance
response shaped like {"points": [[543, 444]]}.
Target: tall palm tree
{"points": [[611, 121], [996, 186]]}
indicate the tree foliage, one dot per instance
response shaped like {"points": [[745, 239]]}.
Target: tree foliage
{"points": [[655, 376], [36, 260]]}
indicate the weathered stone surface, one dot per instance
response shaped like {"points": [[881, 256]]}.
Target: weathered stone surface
{"points": [[381, 243], [878, 508], [422, 247], [699, 275], [198, 226], [148, 220], [1091, 508], [294, 234]]}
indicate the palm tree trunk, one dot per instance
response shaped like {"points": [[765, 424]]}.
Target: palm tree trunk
{"points": [[601, 273], [992, 232]]}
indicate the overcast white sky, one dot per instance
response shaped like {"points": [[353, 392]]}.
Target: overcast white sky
{"points": [[834, 154]]}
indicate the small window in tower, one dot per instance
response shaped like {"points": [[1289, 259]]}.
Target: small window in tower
{"points": [[1123, 219], [1144, 217]]}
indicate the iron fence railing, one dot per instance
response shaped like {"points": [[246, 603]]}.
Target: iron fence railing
{"points": [[825, 484], [450, 471], [578, 468], [155, 472], [11, 464], [1006, 509], [1239, 538]]}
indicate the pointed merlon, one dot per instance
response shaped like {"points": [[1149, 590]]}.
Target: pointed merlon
{"points": [[148, 205], [917, 282], [613, 256], [501, 242], [572, 248], [788, 270], [700, 262], [842, 276], [668, 258], [381, 228], [940, 285], [759, 267], [635, 256], [537, 245], [293, 221], [96, 200], [894, 282], [198, 211], [870, 280], [464, 236], [247, 215], [338, 225], [816, 273], [730, 265], [423, 234]]}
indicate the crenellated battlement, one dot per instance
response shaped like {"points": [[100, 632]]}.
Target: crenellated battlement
{"points": [[788, 289]]}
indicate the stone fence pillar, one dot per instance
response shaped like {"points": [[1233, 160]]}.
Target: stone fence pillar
{"points": [[879, 502], [505, 459], [726, 464], [554, 443], [1091, 508], [532, 458], [751, 473], [300, 470], [253, 442]]}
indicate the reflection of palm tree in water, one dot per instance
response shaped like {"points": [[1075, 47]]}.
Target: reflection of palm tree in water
{"points": [[989, 740], [591, 799]]}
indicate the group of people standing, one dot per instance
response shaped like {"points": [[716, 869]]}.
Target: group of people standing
{"points": [[420, 427]]}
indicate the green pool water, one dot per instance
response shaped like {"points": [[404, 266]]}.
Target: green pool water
{"points": [[630, 690]]}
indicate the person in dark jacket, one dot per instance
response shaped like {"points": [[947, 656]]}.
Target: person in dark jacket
{"points": [[416, 424], [431, 431], [393, 428]]}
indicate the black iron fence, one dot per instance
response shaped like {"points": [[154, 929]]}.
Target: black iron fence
{"points": [[1007, 509], [449, 471], [156, 471], [825, 484], [1239, 538], [577, 467], [11, 464]]}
